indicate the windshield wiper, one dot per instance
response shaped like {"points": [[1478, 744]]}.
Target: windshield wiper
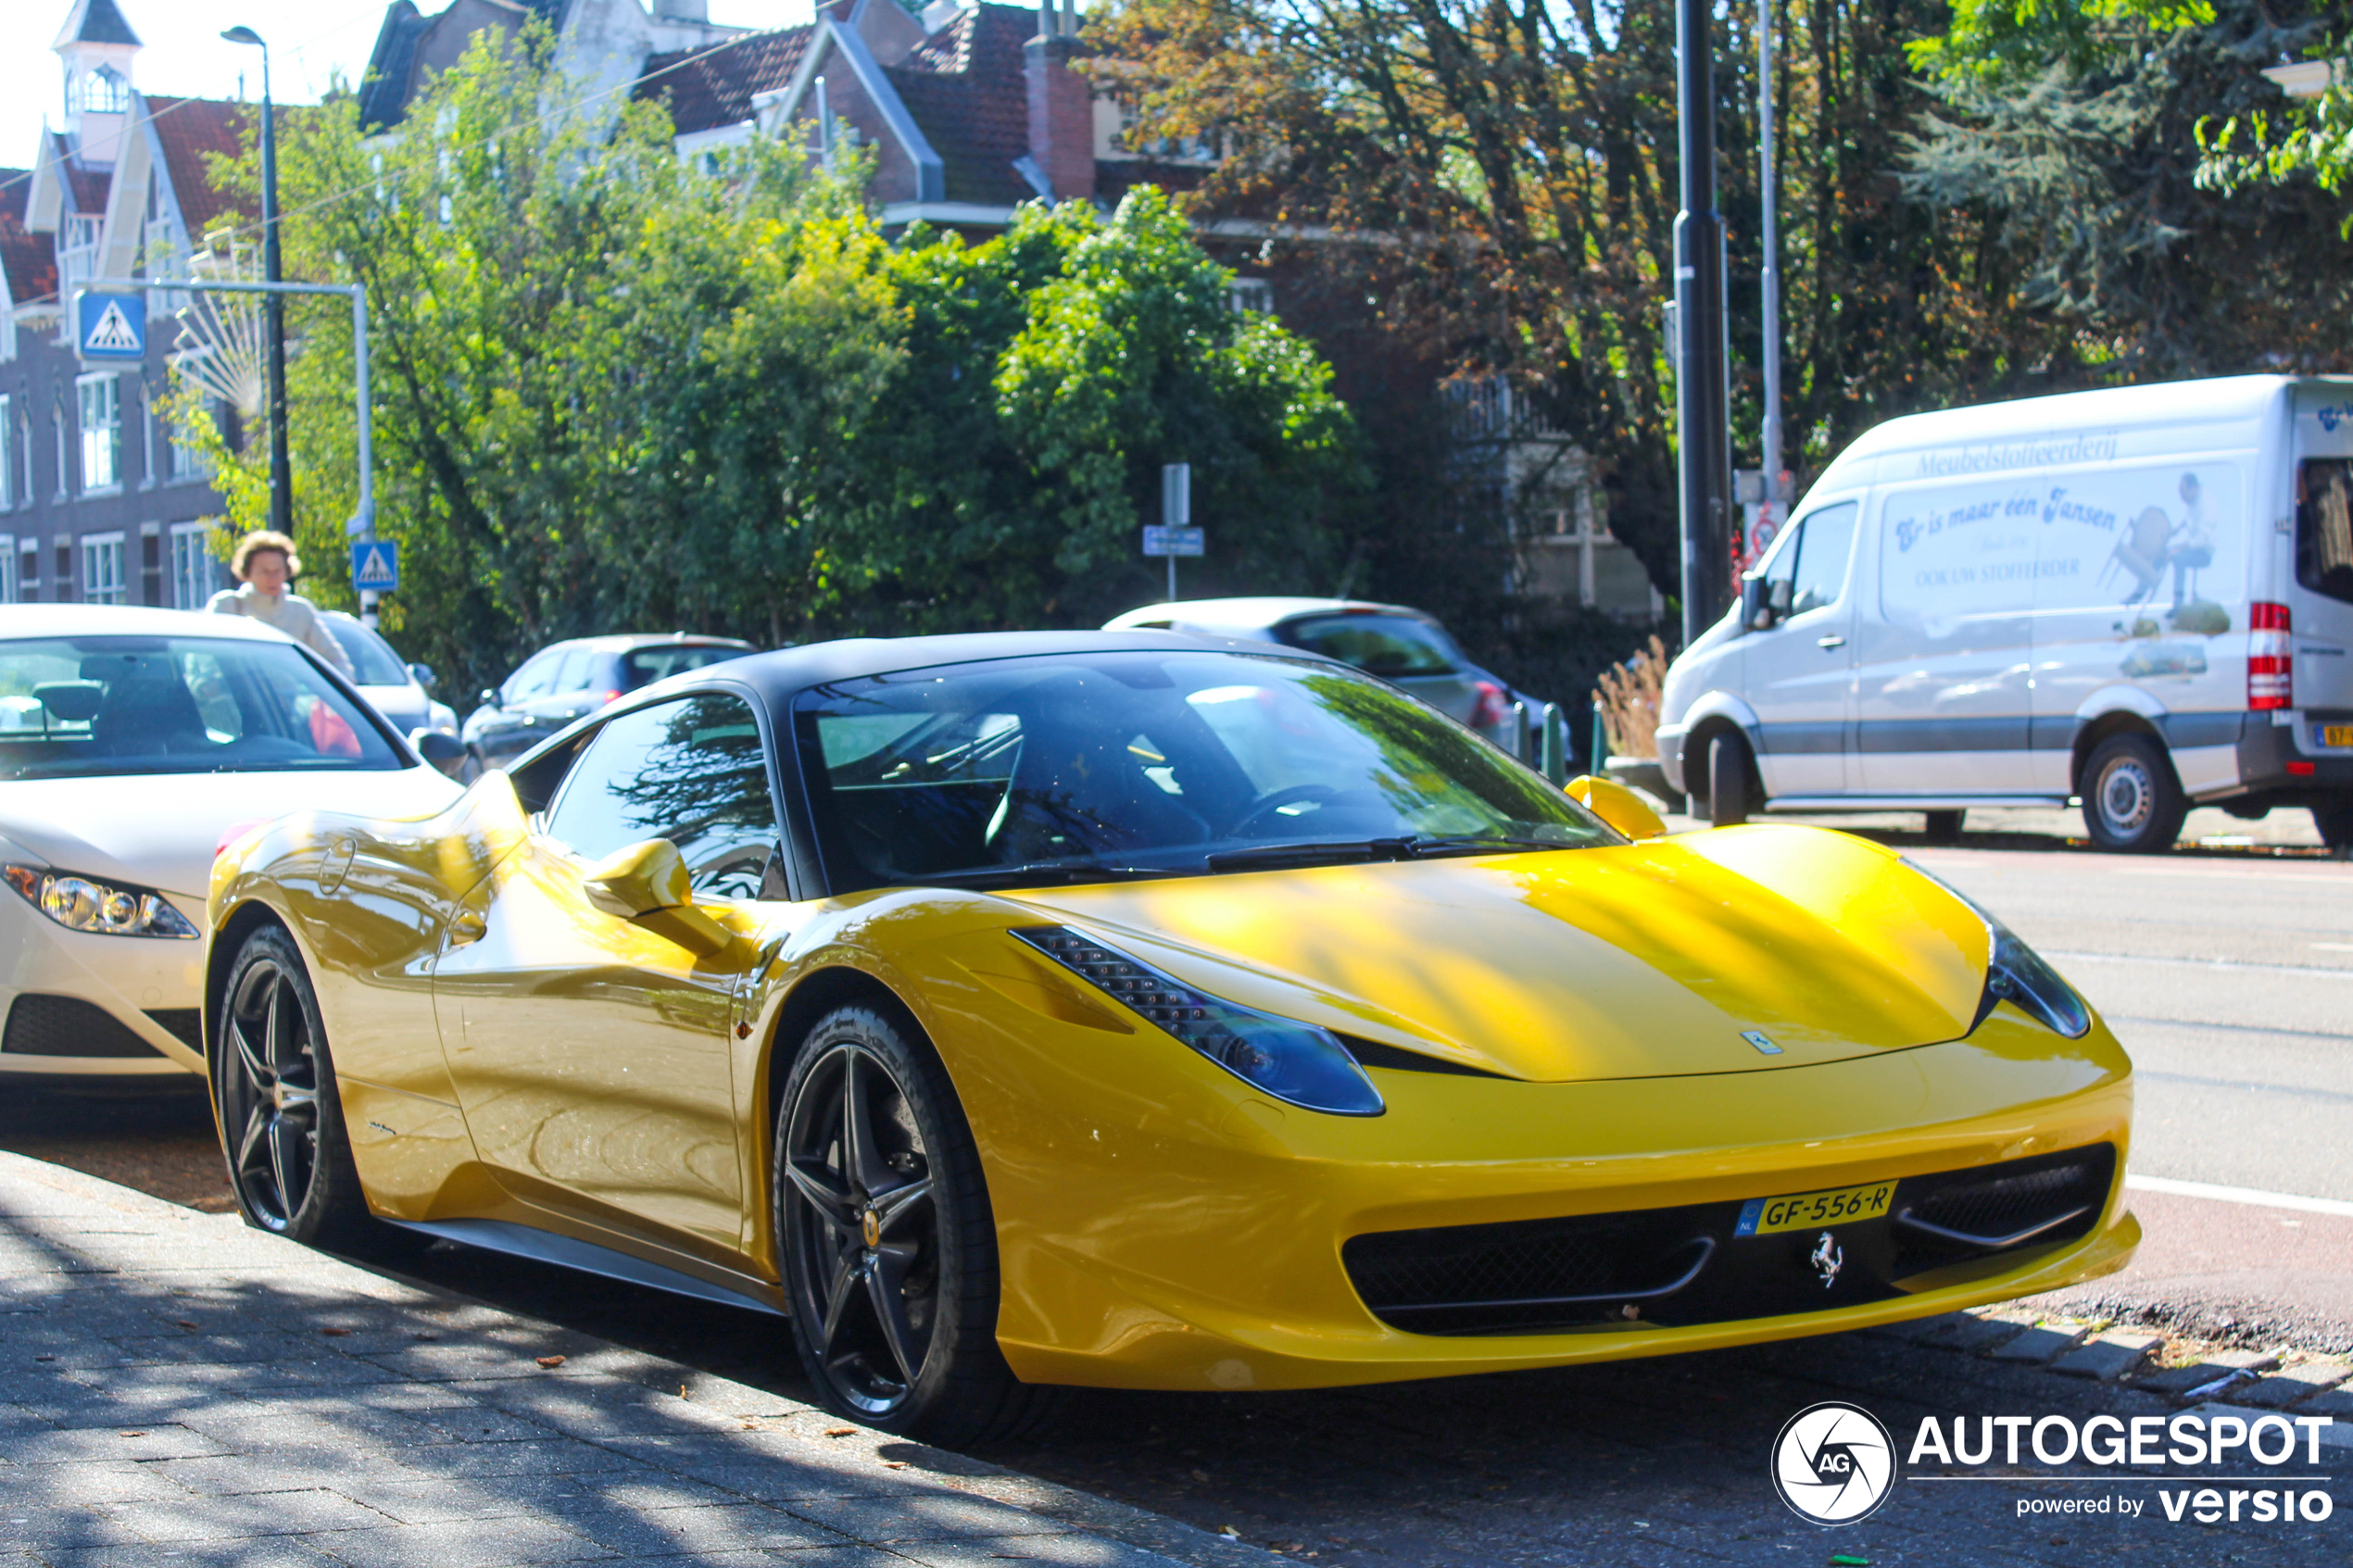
{"points": [[1064, 871], [1412, 847]]}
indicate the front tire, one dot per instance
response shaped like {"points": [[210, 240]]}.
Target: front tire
{"points": [[887, 1245], [282, 1127], [1728, 800], [2133, 803]]}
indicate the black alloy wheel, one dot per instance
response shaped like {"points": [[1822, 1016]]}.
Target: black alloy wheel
{"points": [[887, 1243], [281, 1126]]}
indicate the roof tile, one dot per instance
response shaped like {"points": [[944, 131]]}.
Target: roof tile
{"points": [[708, 88], [189, 130], [28, 261], [965, 88]]}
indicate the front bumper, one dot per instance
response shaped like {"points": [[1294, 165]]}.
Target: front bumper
{"points": [[150, 988], [1225, 1266]]}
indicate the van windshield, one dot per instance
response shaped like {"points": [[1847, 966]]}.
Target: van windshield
{"points": [[2325, 527]]}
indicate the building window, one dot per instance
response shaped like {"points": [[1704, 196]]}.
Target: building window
{"points": [[187, 458], [9, 591], [102, 579], [195, 573], [77, 259], [103, 91], [1252, 296], [101, 432], [8, 457]]}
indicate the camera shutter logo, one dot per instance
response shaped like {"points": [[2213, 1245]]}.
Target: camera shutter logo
{"points": [[1833, 1463]]}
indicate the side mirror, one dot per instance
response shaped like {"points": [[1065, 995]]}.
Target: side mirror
{"points": [[489, 698], [1756, 613], [647, 885], [1617, 805], [445, 752], [422, 675]]}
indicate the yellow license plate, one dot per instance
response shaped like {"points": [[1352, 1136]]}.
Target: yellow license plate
{"points": [[2337, 734], [1804, 1210]]}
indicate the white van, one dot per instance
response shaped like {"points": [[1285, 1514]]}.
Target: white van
{"points": [[2141, 597]]}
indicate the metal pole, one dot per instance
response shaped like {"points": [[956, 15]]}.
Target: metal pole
{"points": [[1770, 277], [274, 318], [1172, 579], [1704, 438]]}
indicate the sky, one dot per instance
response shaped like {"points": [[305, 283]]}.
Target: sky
{"points": [[310, 42]]}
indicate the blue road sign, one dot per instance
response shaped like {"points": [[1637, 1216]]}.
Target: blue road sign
{"points": [[1161, 540], [111, 326], [375, 565]]}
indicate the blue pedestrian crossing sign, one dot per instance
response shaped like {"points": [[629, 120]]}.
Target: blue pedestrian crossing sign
{"points": [[375, 565], [110, 327]]}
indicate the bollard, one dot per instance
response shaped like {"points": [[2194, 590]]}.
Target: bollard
{"points": [[1555, 744]]}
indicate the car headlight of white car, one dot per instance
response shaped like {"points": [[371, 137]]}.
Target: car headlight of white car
{"points": [[103, 909]]}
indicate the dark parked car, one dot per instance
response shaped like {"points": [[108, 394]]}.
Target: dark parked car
{"points": [[567, 681]]}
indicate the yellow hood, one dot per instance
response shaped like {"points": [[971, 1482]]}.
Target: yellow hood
{"points": [[1647, 960]]}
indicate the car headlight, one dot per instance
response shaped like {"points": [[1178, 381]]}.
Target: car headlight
{"points": [[1295, 1062], [103, 909], [2018, 974]]}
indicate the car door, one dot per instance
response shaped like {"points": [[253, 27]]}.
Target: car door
{"points": [[1799, 673], [591, 1055]]}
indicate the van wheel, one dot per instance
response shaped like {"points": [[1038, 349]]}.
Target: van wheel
{"points": [[1945, 826], [2133, 803], [1727, 781], [2335, 821]]}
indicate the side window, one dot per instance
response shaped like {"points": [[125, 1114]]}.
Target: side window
{"points": [[533, 679], [693, 771], [2325, 527], [572, 675], [1826, 540]]}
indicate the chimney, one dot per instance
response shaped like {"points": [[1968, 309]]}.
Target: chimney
{"points": [[1061, 106]]}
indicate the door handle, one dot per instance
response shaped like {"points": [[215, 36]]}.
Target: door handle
{"points": [[1830, 642]]}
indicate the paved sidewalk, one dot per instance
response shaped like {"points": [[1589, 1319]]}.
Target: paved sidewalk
{"points": [[178, 1388]]}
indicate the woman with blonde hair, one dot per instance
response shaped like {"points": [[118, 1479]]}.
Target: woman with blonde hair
{"points": [[265, 564]]}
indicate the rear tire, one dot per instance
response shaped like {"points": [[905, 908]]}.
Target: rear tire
{"points": [[1943, 827], [2334, 821], [1728, 801], [2133, 803], [887, 1245], [282, 1127]]}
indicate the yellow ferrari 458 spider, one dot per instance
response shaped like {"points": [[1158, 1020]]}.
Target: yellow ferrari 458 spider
{"points": [[1125, 1008]]}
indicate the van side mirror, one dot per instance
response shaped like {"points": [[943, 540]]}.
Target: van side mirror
{"points": [[1756, 613], [647, 885], [490, 697], [1617, 805]]}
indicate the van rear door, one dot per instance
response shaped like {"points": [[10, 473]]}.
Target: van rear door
{"points": [[2319, 590]]}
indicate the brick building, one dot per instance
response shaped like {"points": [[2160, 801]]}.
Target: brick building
{"points": [[98, 501]]}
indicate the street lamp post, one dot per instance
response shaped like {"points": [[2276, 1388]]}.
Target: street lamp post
{"points": [[273, 308], [1703, 433]]}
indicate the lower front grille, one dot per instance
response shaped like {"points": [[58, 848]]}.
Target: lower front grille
{"points": [[44, 1025], [1690, 1265], [184, 1025]]}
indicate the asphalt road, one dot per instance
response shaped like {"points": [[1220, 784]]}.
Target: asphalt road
{"points": [[2224, 973]]}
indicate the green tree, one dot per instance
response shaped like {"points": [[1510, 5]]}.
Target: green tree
{"points": [[1051, 372]]}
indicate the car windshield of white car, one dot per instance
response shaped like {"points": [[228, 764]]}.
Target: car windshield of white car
{"points": [[1127, 764], [372, 660], [87, 707], [1388, 646]]}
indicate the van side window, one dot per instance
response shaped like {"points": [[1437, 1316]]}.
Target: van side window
{"points": [[1813, 563], [2325, 527]]}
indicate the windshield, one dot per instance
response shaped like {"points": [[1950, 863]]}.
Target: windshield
{"points": [[643, 667], [92, 706], [1094, 765], [373, 663], [1386, 646]]}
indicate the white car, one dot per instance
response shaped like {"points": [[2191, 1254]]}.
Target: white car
{"points": [[130, 741], [402, 693]]}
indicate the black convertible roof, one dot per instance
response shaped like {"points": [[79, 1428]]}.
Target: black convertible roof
{"points": [[777, 676]]}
